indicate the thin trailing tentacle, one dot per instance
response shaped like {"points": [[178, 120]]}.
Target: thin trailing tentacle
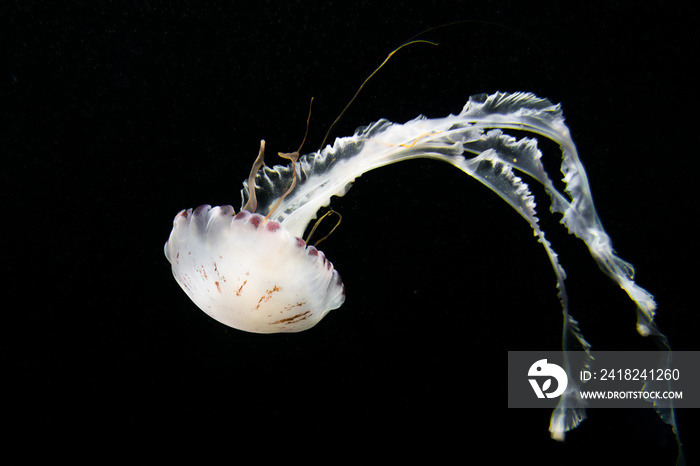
{"points": [[252, 203]]}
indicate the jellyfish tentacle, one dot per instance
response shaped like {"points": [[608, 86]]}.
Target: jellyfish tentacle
{"points": [[479, 130], [252, 203], [388, 57], [492, 170], [331, 171], [293, 156], [318, 222], [541, 117]]}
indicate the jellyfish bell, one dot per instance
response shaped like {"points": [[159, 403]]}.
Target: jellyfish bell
{"points": [[251, 273]]}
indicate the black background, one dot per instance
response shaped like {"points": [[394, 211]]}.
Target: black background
{"points": [[120, 114]]}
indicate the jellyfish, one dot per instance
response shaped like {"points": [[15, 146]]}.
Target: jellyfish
{"points": [[252, 271]]}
